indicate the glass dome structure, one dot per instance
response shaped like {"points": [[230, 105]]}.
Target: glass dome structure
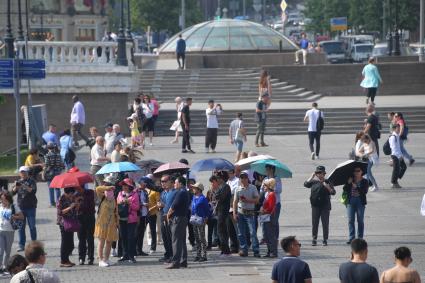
{"points": [[229, 35]]}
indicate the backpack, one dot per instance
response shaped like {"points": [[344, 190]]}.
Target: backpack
{"points": [[317, 196], [320, 124], [386, 148], [405, 132]]}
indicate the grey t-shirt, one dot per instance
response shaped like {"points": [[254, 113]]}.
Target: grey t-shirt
{"points": [[353, 272], [250, 192]]}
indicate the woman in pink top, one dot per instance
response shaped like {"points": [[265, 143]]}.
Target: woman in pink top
{"points": [[128, 206]]}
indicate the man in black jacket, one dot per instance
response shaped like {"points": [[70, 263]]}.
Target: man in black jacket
{"points": [[320, 201]]}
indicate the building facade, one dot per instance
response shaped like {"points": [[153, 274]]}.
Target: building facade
{"points": [[58, 20]]}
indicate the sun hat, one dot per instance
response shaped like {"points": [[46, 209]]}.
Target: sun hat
{"points": [[198, 185], [128, 182]]}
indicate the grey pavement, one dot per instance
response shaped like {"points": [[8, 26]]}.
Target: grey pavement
{"points": [[324, 102], [392, 218]]}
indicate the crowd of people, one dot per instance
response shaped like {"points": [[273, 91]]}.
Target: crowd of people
{"points": [[174, 206]]}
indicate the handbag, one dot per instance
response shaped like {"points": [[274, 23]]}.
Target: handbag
{"points": [[16, 223], [263, 218], [196, 220], [344, 198], [71, 224], [176, 126], [123, 211]]}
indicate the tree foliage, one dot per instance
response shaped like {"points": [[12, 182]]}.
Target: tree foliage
{"points": [[363, 15]]}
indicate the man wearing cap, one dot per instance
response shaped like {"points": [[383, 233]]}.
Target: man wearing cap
{"points": [[261, 118], [320, 199], [199, 215], [244, 201], [212, 125], [177, 217], [53, 167], [109, 139], [26, 188]]}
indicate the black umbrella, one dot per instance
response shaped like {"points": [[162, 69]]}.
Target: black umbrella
{"points": [[343, 171]]}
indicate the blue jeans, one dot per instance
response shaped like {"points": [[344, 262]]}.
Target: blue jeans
{"points": [[29, 216], [355, 207], [406, 155], [246, 222], [52, 192], [369, 173]]}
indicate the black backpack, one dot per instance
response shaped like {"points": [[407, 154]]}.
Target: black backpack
{"points": [[386, 148], [318, 197], [320, 124]]}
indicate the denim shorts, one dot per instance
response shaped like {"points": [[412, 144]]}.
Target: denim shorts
{"points": [[239, 145]]}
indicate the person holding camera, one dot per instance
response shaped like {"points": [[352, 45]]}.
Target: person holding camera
{"points": [[212, 125], [26, 189], [321, 190]]}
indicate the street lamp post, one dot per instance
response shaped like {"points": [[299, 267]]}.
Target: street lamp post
{"points": [[396, 35], [20, 28], [183, 19], [128, 30], [421, 31], [8, 38], [121, 52]]}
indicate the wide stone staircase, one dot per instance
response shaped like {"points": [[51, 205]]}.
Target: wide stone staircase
{"points": [[290, 121], [222, 85]]}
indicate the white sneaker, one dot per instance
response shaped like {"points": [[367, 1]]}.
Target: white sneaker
{"points": [[109, 262], [374, 189], [313, 156], [103, 264], [114, 252], [207, 150], [151, 252], [317, 157], [213, 151]]}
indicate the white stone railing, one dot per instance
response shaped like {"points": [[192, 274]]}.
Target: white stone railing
{"points": [[74, 52]]}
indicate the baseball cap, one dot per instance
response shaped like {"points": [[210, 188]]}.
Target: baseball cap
{"points": [[24, 169], [320, 169], [198, 185]]}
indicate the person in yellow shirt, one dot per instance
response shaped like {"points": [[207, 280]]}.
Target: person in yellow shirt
{"points": [[34, 162], [153, 209]]}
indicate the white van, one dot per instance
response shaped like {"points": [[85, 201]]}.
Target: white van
{"points": [[361, 52]]}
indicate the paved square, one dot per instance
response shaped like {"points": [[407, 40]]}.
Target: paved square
{"points": [[392, 218]]}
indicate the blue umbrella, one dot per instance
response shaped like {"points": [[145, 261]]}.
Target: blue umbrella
{"points": [[116, 167], [211, 164], [281, 170]]}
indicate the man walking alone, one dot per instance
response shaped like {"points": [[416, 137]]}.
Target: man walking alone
{"points": [[78, 119], [314, 129], [185, 123], [181, 51]]}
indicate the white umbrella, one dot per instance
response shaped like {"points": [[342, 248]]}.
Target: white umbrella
{"points": [[246, 162]]}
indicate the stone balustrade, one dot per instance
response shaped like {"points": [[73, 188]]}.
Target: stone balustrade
{"points": [[74, 52]]}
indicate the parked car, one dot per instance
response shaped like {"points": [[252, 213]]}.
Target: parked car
{"points": [[361, 52], [381, 49], [335, 52]]}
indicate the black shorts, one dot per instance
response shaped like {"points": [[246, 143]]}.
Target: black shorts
{"points": [[148, 125], [371, 91]]}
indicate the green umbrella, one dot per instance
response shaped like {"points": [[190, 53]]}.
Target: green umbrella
{"points": [[281, 170]]}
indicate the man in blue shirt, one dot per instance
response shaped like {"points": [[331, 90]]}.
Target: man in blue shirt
{"points": [[291, 269], [181, 51], [51, 136], [167, 198], [177, 217], [303, 50]]}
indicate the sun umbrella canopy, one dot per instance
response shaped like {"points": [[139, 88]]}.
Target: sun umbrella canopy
{"points": [[211, 164], [339, 176], [172, 167], [68, 180], [246, 162], [281, 170], [116, 167]]}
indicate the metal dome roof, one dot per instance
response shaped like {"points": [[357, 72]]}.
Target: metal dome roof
{"points": [[229, 35]]}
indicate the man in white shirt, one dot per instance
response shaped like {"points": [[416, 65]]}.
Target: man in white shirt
{"points": [[98, 158], [78, 119], [109, 139], [212, 125], [311, 116], [399, 166]]}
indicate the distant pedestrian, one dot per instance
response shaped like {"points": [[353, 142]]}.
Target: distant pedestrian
{"points": [[133, 124], [372, 126], [264, 85], [399, 166], [143, 218], [53, 167], [314, 129], [185, 124], [177, 217], [51, 136], [156, 107], [148, 123], [199, 215], [98, 158], [268, 216], [371, 80], [303, 50], [35, 270], [109, 139], [78, 119], [66, 152], [367, 151], [357, 270], [355, 190], [401, 271], [177, 123], [212, 112], [237, 135], [321, 192], [26, 188], [181, 51], [290, 268], [261, 118], [404, 131]]}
